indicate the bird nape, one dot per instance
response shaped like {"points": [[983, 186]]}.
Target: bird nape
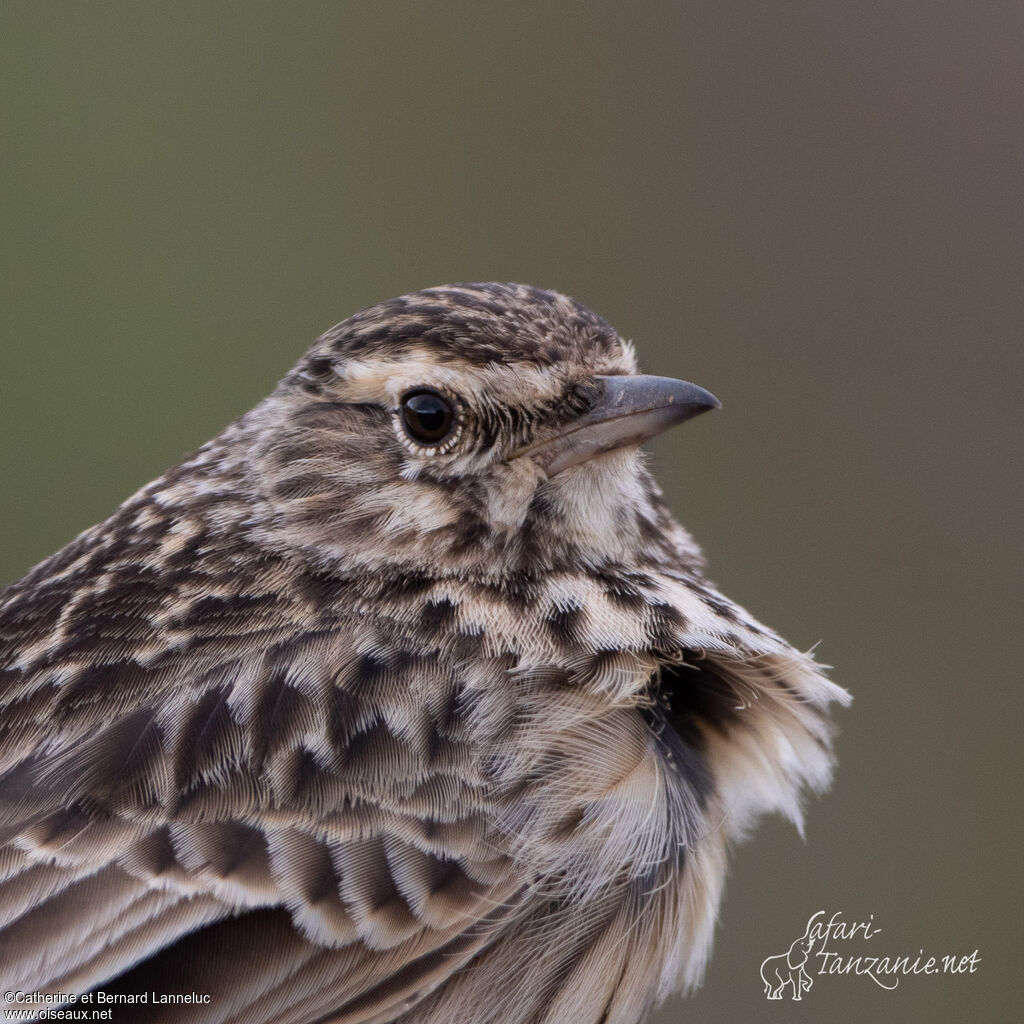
{"points": [[404, 698]]}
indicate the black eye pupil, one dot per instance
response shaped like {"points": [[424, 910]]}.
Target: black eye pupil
{"points": [[428, 416]]}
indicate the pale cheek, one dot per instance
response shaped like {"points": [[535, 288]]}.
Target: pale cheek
{"points": [[407, 506], [510, 491]]}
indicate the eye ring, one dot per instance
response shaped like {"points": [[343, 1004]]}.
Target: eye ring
{"points": [[429, 418]]}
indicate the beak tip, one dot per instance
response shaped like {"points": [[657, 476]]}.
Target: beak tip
{"points": [[694, 399], [709, 401]]}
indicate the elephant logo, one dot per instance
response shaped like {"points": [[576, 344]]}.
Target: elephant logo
{"points": [[788, 969]]}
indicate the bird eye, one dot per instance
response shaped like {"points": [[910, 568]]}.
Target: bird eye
{"points": [[428, 416]]}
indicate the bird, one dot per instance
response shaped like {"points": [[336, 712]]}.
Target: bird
{"points": [[405, 698]]}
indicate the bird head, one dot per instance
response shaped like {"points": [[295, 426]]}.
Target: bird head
{"points": [[481, 428]]}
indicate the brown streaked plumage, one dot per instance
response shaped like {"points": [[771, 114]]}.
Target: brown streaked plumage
{"points": [[329, 723]]}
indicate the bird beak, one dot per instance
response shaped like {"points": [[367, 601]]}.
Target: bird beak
{"points": [[630, 410]]}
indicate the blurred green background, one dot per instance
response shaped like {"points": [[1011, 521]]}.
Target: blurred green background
{"points": [[812, 208]]}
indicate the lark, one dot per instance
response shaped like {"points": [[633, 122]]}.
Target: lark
{"points": [[403, 699]]}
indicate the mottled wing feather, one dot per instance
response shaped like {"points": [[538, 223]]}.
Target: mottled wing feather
{"points": [[233, 792]]}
